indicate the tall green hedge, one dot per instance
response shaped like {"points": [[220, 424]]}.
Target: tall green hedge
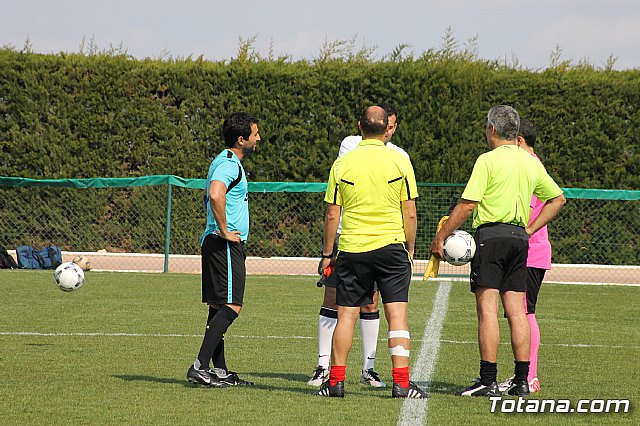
{"points": [[72, 116]]}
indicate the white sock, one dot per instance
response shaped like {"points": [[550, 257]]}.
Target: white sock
{"points": [[369, 328], [326, 324]]}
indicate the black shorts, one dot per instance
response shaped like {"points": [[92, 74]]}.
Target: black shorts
{"points": [[500, 260], [223, 271], [534, 281], [358, 273]]}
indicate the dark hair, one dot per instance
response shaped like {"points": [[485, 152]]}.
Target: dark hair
{"points": [[235, 125], [389, 109], [373, 121], [528, 132]]}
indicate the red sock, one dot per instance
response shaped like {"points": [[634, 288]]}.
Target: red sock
{"points": [[401, 376], [337, 374]]}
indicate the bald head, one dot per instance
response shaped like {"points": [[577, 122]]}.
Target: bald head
{"points": [[373, 123]]}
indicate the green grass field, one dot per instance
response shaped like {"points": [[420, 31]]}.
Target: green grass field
{"points": [[117, 350]]}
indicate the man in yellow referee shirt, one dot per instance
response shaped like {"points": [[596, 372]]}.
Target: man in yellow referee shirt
{"points": [[376, 188], [498, 194]]}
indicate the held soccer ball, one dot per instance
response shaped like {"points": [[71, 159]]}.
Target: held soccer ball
{"points": [[68, 276], [459, 248]]}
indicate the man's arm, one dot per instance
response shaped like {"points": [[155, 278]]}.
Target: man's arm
{"points": [[547, 214], [410, 219], [218, 202], [331, 220], [460, 213]]}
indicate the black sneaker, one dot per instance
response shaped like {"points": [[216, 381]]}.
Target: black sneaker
{"points": [[327, 390], [478, 389], [412, 392], [520, 388], [203, 377], [231, 379]]}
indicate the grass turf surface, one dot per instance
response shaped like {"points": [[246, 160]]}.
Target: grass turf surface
{"points": [[120, 346]]}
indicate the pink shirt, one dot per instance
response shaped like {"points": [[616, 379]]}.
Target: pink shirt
{"points": [[539, 246]]}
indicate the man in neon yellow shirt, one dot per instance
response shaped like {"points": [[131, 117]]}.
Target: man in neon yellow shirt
{"points": [[376, 188], [498, 195]]}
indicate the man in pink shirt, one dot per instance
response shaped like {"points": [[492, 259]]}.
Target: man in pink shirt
{"points": [[538, 263]]}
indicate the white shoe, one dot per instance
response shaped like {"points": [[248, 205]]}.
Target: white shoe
{"points": [[504, 386], [320, 375], [371, 378]]}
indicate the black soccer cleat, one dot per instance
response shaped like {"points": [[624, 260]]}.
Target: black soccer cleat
{"points": [[327, 390], [231, 378], [519, 388], [411, 392], [202, 377], [478, 389]]}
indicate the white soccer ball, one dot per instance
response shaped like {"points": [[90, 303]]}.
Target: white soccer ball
{"points": [[459, 248], [68, 276]]}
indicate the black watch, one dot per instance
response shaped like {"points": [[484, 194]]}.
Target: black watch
{"points": [[325, 256]]}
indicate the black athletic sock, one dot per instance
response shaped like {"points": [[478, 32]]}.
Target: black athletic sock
{"points": [[218, 354], [214, 333], [521, 371], [212, 313], [218, 359], [488, 372]]}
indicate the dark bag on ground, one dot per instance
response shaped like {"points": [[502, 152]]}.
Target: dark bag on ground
{"points": [[6, 260], [46, 258]]}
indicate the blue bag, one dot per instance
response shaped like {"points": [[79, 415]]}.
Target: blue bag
{"points": [[46, 258]]}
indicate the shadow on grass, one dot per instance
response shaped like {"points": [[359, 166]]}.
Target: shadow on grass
{"points": [[185, 383], [442, 388], [166, 380], [278, 375]]}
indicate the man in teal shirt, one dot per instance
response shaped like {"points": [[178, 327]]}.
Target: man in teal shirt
{"points": [[498, 195], [222, 246]]}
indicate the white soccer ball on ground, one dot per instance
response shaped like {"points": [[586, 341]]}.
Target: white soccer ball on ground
{"points": [[68, 276], [459, 248]]}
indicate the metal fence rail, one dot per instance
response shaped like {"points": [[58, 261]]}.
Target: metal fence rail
{"points": [[154, 223]]}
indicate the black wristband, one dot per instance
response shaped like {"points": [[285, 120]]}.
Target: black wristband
{"points": [[325, 256]]}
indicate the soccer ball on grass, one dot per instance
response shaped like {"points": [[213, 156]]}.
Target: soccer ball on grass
{"points": [[82, 261], [68, 276], [459, 248]]}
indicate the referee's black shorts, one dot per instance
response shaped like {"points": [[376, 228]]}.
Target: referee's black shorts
{"points": [[500, 260], [357, 273], [223, 271]]}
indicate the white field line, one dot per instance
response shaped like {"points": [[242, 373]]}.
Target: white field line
{"points": [[414, 411], [445, 341]]}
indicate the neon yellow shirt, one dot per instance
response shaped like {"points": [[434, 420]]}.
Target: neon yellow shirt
{"points": [[502, 182], [370, 183]]}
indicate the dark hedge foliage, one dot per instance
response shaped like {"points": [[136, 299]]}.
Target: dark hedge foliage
{"points": [[71, 116]]}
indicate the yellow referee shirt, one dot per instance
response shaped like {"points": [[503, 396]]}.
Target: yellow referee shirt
{"points": [[370, 183], [502, 182]]}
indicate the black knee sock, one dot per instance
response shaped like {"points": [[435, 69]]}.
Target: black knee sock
{"points": [[218, 356], [521, 371], [488, 372], [216, 328], [212, 313]]}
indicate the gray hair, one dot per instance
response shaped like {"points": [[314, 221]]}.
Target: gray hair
{"points": [[505, 120]]}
